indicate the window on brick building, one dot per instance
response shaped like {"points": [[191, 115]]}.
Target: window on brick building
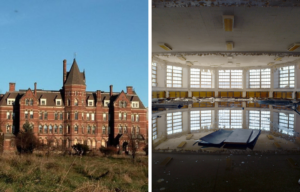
{"points": [[94, 129], [89, 129], [76, 115], [120, 116], [76, 129], [103, 130], [133, 130], [137, 130], [58, 102], [26, 114], [124, 116], [61, 116], [60, 129], [125, 129], [26, 102], [68, 129], [68, 116], [45, 129], [7, 115], [40, 128], [10, 101], [31, 114], [106, 103], [31, 102], [90, 103], [104, 116], [76, 102], [50, 129], [55, 116], [92, 116], [137, 118], [88, 116], [120, 129], [7, 128], [45, 115], [43, 101], [132, 117], [55, 128], [40, 115]]}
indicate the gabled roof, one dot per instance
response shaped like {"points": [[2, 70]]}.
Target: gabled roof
{"points": [[75, 76]]}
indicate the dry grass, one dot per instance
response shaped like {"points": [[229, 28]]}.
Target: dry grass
{"points": [[70, 173]]}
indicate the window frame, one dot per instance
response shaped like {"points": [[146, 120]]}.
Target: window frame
{"points": [[260, 78], [289, 76], [202, 73], [154, 74], [230, 78], [171, 74], [174, 120]]}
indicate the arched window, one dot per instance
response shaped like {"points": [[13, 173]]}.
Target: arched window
{"points": [[31, 114], [31, 101], [68, 129], [45, 129], [40, 128], [88, 142], [124, 116], [26, 102], [76, 102], [50, 129], [120, 116], [26, 114], [60, 129], [56, 116], [76, 115], [92, 116], [45, 115], [82, 129], [125, 129], [132, 117], [55, 128]]}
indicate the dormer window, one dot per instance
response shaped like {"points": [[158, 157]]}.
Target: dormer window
{"points": [[90, 103], [135, 104], [106, 103], [43, 101], [58, 102], [10, 101]]}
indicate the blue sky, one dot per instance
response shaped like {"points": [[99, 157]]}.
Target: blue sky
{"points": [[110, 38]]}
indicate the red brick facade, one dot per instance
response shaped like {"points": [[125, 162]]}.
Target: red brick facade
{"points": [[73, 115]]}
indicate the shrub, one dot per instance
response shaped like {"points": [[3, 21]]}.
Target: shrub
{"points": [[108, 150], [26, 141], [80, 149]]}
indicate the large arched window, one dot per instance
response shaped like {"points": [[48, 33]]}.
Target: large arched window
{"points": [[40, 128], [76, 102], [26, 102], [50, 129], [45, 129], [76, 128], [103, 130], [89, 129], [94, 129], [31, 101], [55, 128], [60, 129]]}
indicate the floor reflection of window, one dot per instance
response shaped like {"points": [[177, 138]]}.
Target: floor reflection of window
{"points": [[230, 119], [200, 119], [174, 123], [259, 120], [154, 129], [286, 123]]}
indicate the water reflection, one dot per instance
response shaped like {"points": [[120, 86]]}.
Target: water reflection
{"points": [[206, 116]]}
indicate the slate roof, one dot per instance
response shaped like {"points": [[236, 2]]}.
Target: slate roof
{"points": [[75, 76]]}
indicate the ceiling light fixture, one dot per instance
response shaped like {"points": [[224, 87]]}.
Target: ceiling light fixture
{"points": [[182, 58], [189, 63], [229, 45], [228, 21], [294, 46], [278, 58], [165, 46], [271, 64]]}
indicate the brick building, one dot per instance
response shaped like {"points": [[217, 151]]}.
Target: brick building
{"points": [[73, 115]]}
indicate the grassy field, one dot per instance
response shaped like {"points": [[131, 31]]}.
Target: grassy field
{"points": [[70, 173]]}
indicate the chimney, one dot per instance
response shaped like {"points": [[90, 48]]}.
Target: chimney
{"points": [[34, 88], [98, 96], [111, 90], [65, 71], [12, 86], [129, 90]]}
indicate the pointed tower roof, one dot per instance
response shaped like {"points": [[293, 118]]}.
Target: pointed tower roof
{"points": [[74, 76]]}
